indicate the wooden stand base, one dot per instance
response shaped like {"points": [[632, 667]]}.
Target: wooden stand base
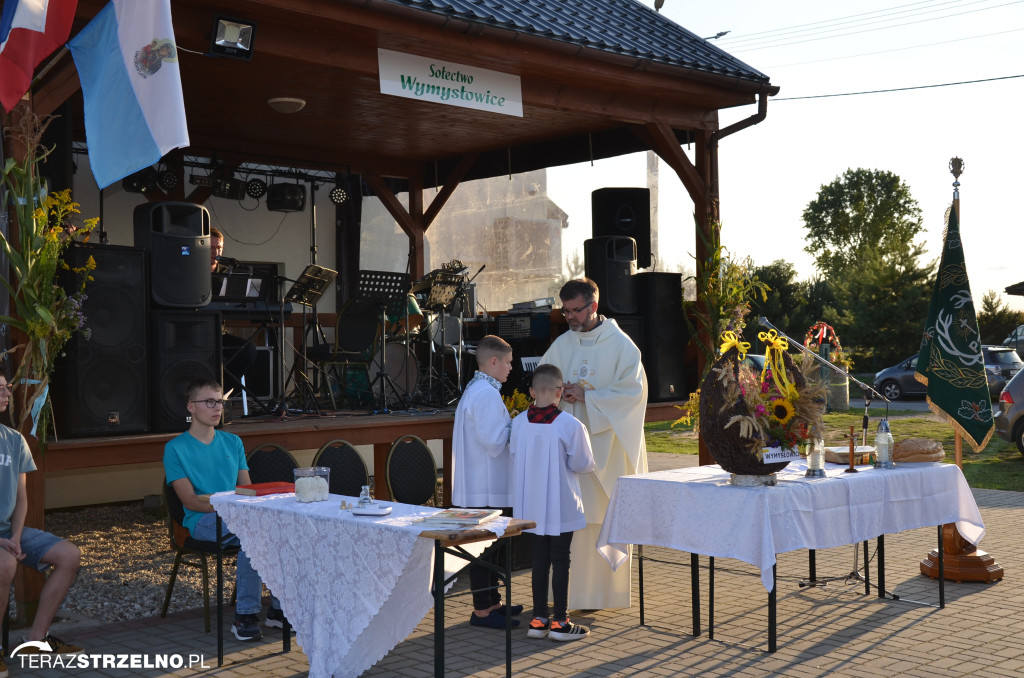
{"points": [[961, 560]]}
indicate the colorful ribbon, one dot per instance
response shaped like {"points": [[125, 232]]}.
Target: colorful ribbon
{"points": [[775, 346], [729, 339]]}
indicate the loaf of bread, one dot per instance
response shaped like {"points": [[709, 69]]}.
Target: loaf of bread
{"points": [[918, 449]]}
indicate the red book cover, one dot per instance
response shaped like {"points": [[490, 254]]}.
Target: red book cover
{"points": [[260, 489]]}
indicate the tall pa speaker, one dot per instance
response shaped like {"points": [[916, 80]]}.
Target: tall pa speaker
{"points": [[177, 237], [610, 262], [186, 347], [100, 384], [660, 297], [624, 212]]}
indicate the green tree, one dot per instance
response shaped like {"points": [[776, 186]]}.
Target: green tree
{"points": [[786, 305], [995, 319], [883, 309], [860, 211]]}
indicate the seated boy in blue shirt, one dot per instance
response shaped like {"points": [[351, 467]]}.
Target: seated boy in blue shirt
{"points": [[200, 462]]}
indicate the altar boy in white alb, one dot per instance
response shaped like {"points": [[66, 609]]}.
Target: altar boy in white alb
{"points": [[481, 468], [549, 449]]}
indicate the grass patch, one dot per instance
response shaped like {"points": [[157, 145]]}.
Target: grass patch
{"points": [[998, 467]]}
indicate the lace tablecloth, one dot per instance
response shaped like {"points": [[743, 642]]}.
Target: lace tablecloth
{"points": [[697, 510], [353, 587]]}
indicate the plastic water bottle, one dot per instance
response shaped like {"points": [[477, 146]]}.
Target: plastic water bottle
{"points": [[883, 446]]}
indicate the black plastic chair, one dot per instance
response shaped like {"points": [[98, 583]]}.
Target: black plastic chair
{"points": [[185, 548], [271, 463], [348, 471], [410, 472], [355, 336]]}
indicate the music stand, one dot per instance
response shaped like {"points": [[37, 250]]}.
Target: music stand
{"points": [[307, 290], [385, 291]]}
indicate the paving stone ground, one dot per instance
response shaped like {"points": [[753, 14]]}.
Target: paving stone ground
{"points": [[833, 630]]}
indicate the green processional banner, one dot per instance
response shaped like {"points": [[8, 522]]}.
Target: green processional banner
{"points": [[950, 362]]}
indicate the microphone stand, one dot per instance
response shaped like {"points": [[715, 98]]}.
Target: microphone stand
{"points": [[855, 572], [763, 322]]}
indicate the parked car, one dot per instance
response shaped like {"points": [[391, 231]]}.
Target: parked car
{"points": [[1015, 340], [1008, 412], [1001, 363], [898, 381]]}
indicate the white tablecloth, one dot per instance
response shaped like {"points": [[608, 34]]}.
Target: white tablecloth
{"points": [[352, 587], [697, 510]]}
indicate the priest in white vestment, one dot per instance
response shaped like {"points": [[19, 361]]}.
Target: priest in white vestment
{"points": [[606, 389]]}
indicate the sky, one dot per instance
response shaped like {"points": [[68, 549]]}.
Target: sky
{"points": [[770, 172]]}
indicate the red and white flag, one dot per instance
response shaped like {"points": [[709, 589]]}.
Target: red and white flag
{"points": [[30, 30]]}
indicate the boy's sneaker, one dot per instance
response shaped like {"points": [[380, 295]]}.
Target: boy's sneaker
{"points": [[494, 620], [276, 619], [247, 627], [566, 630], [57, 646], [538, 628]]}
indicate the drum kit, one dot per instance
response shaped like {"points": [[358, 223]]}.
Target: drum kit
{"points": [[424, 364]]}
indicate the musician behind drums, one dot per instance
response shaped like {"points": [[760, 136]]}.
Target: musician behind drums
{"points": [[414, 316]]}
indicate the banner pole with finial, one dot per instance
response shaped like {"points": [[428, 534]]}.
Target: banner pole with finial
{"points": [[956, 168]]}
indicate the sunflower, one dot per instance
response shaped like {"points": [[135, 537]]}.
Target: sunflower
{"points": [[781, 410]]}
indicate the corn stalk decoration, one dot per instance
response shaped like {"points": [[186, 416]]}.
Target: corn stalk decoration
{"points": [[44, 313]]}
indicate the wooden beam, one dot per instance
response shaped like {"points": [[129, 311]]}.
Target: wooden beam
{"points": [[663, 141], [411, 221], [450, 184]]}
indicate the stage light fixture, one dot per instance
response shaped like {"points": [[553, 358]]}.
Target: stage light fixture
{"points": [[338, 195], [286, 197], [167, 180], [232, 38], [143, 181], [255, 188], [232, 189]]}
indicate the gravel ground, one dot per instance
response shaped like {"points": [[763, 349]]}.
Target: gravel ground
{"points": [[126, 560]]}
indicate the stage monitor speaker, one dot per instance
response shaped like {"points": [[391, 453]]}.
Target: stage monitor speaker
{"points": [[100, 383], [624, 212], [610, 262], [177, 237], [286, 197], [660, 299], [185, 347]]}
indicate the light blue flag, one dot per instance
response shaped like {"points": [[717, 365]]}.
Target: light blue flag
{"points": [[127, 62]]}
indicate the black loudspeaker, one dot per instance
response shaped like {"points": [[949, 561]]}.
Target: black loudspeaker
{"points": [[660, 299], [185, 347], [633, 326], [100, 384], [177, 237], [624, 212], [611, 262], [286, 197]]}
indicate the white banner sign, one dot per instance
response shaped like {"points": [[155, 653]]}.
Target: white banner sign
{"points": [[774, 454], [444, 82]]}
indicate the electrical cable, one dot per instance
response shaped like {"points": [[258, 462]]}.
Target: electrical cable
{"points": [[756, 47], [899, 89]]}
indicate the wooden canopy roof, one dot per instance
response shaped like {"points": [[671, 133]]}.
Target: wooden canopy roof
{"points": [[591, 70]]}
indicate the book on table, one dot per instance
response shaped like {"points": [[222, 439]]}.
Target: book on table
{"points": [[260, 489], [461, 516]]}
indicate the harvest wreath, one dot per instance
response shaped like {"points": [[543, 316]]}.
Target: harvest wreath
{"points": [[743, 413]]}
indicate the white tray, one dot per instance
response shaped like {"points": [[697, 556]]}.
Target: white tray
{"points": [[371, 511]]}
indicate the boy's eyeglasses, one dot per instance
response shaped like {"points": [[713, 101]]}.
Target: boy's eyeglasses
{"points": [[211, 403], [6, 388]]}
